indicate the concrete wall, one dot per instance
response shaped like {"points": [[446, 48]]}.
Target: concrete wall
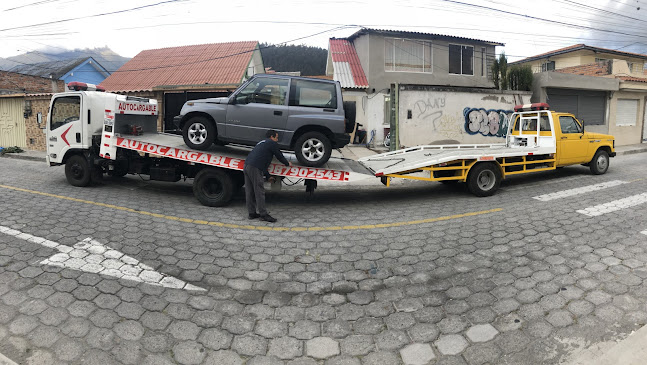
{"points": [[369, 112], [455, 116], [371, 47]]}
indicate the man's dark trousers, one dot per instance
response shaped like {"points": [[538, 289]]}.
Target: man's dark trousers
{"points": [[254, 190]]}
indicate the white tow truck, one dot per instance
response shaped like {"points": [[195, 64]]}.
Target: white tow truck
{"points": [[94, 133]]}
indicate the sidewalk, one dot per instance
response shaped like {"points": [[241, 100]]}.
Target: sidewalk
{"points": [[353, 152]]}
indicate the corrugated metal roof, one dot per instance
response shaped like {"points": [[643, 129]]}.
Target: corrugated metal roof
{"points": [[346, 66], [579, 47], [217, 63], [53, 69], [417, 34]]}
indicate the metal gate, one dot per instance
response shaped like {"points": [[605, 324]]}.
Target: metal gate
{"points": [[589, 106], [12, 123]]}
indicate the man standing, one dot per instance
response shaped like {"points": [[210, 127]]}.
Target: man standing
{"points": [[256, 165]]}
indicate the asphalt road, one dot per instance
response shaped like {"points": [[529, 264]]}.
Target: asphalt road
{"points": [[138, 272]]}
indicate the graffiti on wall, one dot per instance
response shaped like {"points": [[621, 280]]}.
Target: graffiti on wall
{"points": [[490, 122]]}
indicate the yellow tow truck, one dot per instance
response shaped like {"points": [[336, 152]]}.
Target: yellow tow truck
{"points": [[537, 139]]}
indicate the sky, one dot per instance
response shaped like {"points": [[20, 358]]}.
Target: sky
{"points": [[526, 27]]}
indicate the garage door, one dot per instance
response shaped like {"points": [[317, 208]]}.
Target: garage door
{"points": [[589, 106], [12, 123]]}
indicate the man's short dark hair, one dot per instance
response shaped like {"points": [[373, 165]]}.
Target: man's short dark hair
{"points": [[271, 133]]}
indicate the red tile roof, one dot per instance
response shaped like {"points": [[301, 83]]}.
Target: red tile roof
{"points": [[631, 78], [218, 63], [347, 68], [592, 69]]}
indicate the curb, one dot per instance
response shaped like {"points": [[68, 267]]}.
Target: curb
{"points": [[23, 157]]}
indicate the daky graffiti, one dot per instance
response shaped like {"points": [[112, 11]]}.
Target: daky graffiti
{"points": [[429, 107], [490, 122]]}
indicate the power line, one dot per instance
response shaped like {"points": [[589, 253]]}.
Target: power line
{"points": [[91, 16]]}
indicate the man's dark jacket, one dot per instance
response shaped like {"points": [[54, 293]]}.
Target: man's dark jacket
{"points": [[261, 156]]}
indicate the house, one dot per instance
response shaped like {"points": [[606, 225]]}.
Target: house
{"points": [[84, 69], [24, 100], [604, 87], [177, 74], [422, 84]]}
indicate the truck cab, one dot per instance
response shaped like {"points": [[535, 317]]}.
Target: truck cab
{"points": [[536, 124]]}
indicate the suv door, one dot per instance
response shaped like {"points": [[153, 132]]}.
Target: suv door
{"points": [[572, 148], [259, 106]]}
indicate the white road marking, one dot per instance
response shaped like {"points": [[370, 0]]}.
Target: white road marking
{"points": [[644, 232], [580, 190], [614, 205], [92, 256]]}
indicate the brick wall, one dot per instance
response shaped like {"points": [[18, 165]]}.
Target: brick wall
{"points": [[35, 132], [11, 82]]}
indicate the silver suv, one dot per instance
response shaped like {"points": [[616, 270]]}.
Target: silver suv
{"points": [[308, 113]]}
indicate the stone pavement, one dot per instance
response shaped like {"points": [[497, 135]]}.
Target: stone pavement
{"points": [[432, 285]]}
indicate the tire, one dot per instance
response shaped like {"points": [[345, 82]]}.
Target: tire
{"points": [[313, 149], [213, 187], [484, 179], [600, 163], [199, 133], [77, 171]]}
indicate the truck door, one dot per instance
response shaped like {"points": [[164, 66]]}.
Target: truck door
{"points": [[571, 147], [65, 126], [258, 107]]}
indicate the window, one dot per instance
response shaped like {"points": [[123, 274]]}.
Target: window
{"points": [[461, 59], [66, 109], [569, 125], [627, 112], [407, 55], [548, 66], [264, 90], [313, 94]]}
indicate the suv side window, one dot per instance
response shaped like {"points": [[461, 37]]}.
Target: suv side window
{"points": [[66, 109], [313, 94], [569, 125], [264, 90]]}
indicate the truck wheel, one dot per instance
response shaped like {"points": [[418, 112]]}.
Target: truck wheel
{"points": [[313, 149], [484, 179], [213, 187], [600, 163], [199, 133], [77, 171]]}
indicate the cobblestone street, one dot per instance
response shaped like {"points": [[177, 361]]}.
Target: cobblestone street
{"points": [[138, 272]]}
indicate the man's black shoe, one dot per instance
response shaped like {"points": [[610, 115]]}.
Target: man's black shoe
{"points": [[268, 218], [253, 215]]}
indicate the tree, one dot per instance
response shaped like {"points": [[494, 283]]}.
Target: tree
{"points": [[500, 72], [309, 60], [520, 77]]}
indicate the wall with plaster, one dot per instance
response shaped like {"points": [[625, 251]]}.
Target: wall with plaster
{"points": [[446, 116]]}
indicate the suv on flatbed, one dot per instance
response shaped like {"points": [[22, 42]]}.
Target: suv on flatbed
{"points": [[308, 113]]}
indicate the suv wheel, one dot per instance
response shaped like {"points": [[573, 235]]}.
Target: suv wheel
{"points": [[199, 133], [313, 149]]}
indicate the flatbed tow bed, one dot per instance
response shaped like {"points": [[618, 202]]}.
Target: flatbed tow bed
{"points": [[94, 133]]}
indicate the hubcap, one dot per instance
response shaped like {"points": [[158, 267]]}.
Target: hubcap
{"points": [[213, 187], [313, 149], [602, 163], [77, 171], [197, 133], [486, 180]]}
